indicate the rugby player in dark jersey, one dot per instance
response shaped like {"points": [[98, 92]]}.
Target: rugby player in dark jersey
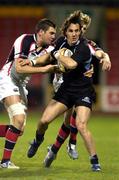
{"points": [[76, 90], [68, 127]]}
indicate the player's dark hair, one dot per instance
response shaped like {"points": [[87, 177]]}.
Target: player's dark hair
{"points": [[44, 24], [74, 18], [77, 17]]}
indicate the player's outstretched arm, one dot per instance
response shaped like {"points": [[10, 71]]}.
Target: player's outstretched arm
{"points": [[104, 59], [26, 69]]}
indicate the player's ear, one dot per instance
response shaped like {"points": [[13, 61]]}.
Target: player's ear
{"points": [[41, 31]]}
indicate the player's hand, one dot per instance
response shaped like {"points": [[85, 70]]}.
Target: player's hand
{"points": [[25, 62], [59, 52], [90, 72], [106, 63]]}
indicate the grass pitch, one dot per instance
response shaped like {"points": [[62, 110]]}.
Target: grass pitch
{"points": [[105, 130]]}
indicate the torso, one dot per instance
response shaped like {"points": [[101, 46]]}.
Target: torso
{"points": [[82, 55]]}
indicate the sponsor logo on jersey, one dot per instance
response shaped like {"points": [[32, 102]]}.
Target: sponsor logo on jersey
{"points": [[86, 99]]}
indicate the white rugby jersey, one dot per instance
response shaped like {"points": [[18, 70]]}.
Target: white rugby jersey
{"points": [[23, 47]]}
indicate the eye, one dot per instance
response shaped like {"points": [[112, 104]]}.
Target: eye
{"points": [[77, 30], [70, 30]]}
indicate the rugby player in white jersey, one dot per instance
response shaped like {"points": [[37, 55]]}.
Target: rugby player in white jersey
{"points": [[13, 80]]}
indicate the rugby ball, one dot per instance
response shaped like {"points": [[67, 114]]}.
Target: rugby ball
{"points": [[67, 53]]}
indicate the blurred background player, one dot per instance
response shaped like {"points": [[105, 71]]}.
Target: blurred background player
{"points": [[13, 80]]}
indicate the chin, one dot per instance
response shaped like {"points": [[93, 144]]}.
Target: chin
{"points": [[74, 42]]}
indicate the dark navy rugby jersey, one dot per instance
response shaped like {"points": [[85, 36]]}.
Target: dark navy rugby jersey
{"points": [[82, 55]]}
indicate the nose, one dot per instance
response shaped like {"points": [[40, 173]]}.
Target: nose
{"points": [[74, 33], [53, 38], [53, 35]]}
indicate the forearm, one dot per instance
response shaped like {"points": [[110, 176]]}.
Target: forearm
{"points": [[66, 61], [41, 60], [100, 54], [104, 59], [29, 69]]}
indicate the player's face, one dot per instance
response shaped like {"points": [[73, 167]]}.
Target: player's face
{"points": [[47, 37], [73, 33]]}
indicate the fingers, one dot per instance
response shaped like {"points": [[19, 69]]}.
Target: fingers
{"points": [[106, 65], [87, 74], [90, 72], [25, 62]]}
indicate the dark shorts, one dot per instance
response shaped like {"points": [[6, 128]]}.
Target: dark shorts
{"points": [[78, 97]]}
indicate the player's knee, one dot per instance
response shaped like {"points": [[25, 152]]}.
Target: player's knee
{"points": [[45, 119], [81, 127], [17, 115], [42, 125]]}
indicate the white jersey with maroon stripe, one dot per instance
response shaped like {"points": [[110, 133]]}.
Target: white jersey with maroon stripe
{"points": [[9, 68], [11, 82]]}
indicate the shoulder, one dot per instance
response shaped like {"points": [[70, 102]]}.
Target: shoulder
{"points": [[25, 37], [83, 45], [60, 40], [24, 41]]}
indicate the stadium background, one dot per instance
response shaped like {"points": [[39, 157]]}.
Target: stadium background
{"points": [[18, 17]]}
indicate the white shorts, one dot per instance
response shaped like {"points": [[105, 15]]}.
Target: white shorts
{"points": [[9, 88]]}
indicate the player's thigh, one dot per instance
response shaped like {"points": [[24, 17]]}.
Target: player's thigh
{"points": [[10, 100], [53, 110]]}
